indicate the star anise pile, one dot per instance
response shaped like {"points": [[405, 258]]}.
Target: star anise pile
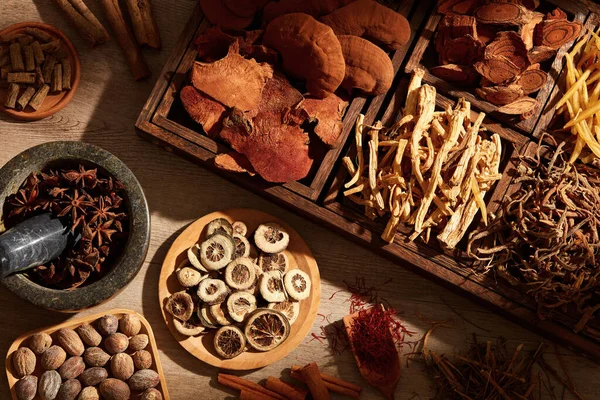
{"points": [[94, 208]]}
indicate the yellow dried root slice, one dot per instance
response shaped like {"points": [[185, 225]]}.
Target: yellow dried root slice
{"points": [[519, 106]]}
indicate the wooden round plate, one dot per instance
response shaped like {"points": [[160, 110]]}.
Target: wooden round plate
{"points": [[201, 346], [54, 102]]}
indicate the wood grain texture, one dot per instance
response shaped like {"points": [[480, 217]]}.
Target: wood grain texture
{"points": [[104, 111]]}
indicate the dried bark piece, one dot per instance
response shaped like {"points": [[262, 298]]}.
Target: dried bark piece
{"points": [[233, 80], [217, 13], [532, 79], [518, 107], [233, 162], [502, 13], [204, 110], [328, 114], [540, 54], [486, 33], [497, 69], [556, 30], [454, 27], [464, 75], [464, 50], [460, 7], [527, 29], [314, 8], [500, 95], [530, 4], [510, 45]]}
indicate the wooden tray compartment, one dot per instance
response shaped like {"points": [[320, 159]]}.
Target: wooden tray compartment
{"points": [[425, 56], [74, 323]]}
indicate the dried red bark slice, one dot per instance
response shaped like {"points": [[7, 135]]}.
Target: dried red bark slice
{"points": [[510, 45], [540, 54], [501, 13], [486, 33], [497, 69], [527, 29], [531, 4], [555, 31], [233, 162], [519, 106], [463, 75], [460, 7], [500, 95], [204, 110], [328, 114], [463, 50], [233, 80], [556, 14], [532, 79], [454, 27]]}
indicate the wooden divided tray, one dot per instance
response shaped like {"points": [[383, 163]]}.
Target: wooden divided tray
{"points": [[319, 197], [74, 323]]}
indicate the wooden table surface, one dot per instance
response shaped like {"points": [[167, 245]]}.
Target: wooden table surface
{"points": [[103, 113]]}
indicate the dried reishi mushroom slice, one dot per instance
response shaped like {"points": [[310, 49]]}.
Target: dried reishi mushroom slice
{"points": [[464, 75], [532, 79], [501, 13], [309, 50], [266, 329], [279, 96], [189, 277], [271, 237], [180, 305], [213, 291], [314, 8], [500, 95], [274, 262], [497, 69], [220, 314], [206, 318], [239, 228], [291, 309], [233, 80], [240, 273], [372, 21], [327, 113], [204, 110], [297, 284], [368, 68], [240, 304], [271, 287], [217, 12], [217, 251], [193, 255], [219, 225], [213, 44], [518, 107], [191, 327], [234, 162], [229, 341], [242, 246], [510, 45]]}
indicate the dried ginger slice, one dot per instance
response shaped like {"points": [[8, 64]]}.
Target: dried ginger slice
{"points": [[500, 95]]}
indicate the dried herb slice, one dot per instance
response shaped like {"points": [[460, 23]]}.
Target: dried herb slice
{"points": [[229, 341], [266, 329]]}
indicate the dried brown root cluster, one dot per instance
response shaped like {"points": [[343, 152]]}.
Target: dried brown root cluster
{"points": [[545, 238], [498, 46], [430, 170]]}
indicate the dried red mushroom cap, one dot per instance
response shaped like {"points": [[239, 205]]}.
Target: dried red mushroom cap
{"points": [[279, 95], [204, 110], [217, 13], [368, 68], [245, 8], [309, 50], [372, 21], [314, 8], [234, 162], [213, 44], [328, 114]]}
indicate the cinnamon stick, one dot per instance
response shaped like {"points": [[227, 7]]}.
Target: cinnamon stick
{"points": [[333, 379], [12, 95], [250, 395], [51, 47], [39, 34], [16, 58], [48, 67], [38, 98], [38, 53], [4, 60], [25, 97], [66, 71], [332, 387], [25, 40], [235, 382], [39, 77], [57, 84], [130, 49], [84, 21], [312, 377], [285, 389], [144, 23]]}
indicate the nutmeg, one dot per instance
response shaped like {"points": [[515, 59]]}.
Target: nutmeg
{"points": [[130, 324], [151, 394], [40, 342], [142, 359], [23, 361], [121, 366], [116, 343], [143, 379], [89, 335], [95, 357], [70, 341], [138, 342], [69, 390], [49, 385], [26, 387], [89, 393], [93, 376], [53, 358], [72, 368], [108, 325], [114, 389]]}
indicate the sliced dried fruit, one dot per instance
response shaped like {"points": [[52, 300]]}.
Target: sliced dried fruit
{"points": [[297, 284], [204, 110], [213, 291], [206, 319], [266, 329], [189, 277], [180, 305], [229, 341], [242, 246], [220, 314], [240, 273], [239, 228], [240, 304], [191, 327], [217, 251], [271, 237], [193, 255], [327, 113], [271, 287], [291, 309], [274, 262], [219, 225]]}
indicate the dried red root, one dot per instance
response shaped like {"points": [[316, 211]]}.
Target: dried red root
{"points": [[314, 8], [502, 13], [463, 50], [328, 114], [217, 13], [527, 29], [555, 30], [204, 110], [540, 54], [532, 79], [460, 7], [486, 33], [500, 95], [497, 69], [454, 27], [510, 45], [521, 106], [464, 75], [234, 162]]}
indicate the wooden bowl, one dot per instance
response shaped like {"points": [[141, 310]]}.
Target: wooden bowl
{"points": [[54, 102], [201, 346], [74, 323]]}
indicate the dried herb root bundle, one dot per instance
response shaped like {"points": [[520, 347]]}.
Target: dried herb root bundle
{"points": [[545, 237]]}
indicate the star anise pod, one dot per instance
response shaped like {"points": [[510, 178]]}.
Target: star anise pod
{"points": [[83, 177], [103, 233], [24, 202], [101, 211], [51, 179], [32, 181], [110, 185], [58, 192], [75, 205]]}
